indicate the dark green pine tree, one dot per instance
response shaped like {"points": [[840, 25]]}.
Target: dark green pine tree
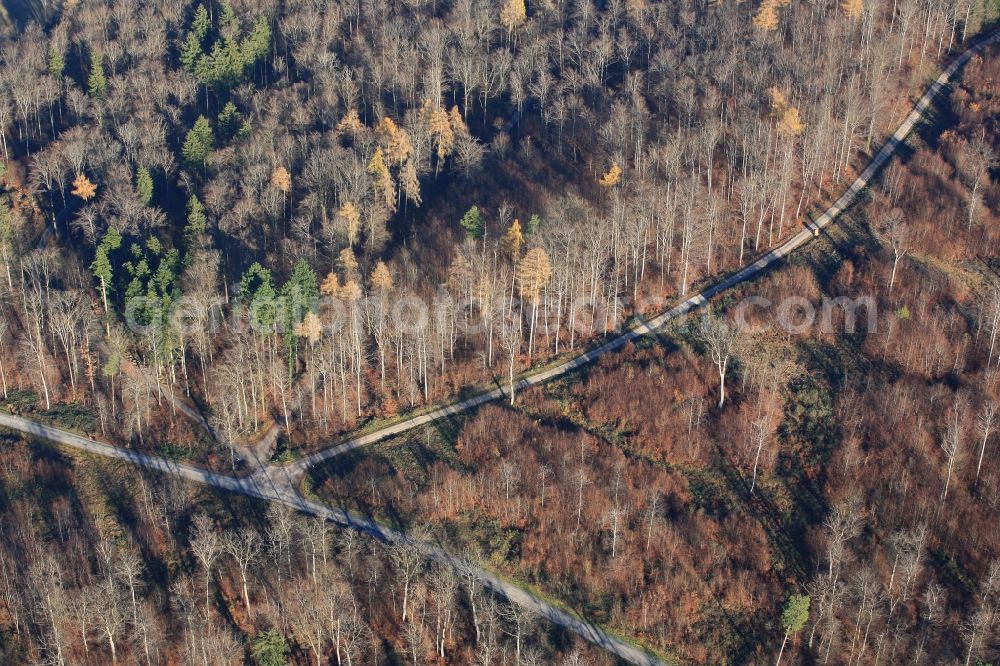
{"points": [[229, 121], [473, 223], [196, 220], [144, 185], [191, 53], [56, 62], [257, 292], [533, 222], [97, 83], [257, 45], [200, 23], [102, 268], [199, 143], [269, 648], [301, 294]]}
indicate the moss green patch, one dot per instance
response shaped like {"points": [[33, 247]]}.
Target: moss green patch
{"points": [[710, 492], [18, 402]]}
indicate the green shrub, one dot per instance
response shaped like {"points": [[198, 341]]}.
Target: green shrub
{"points": [[269, 648], [21, 401]]}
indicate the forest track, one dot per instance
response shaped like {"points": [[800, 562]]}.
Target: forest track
{"points": [[270, 486], [752, 270], [281, 483]]}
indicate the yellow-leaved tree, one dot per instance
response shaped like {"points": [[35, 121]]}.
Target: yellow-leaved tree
{"points": [[281, 179], [395, 140], [309, 328], [778, 101], [384, 183], [513, 14], [386, 129], [443, 134], [83, 188], [534, 271], [381, 280], [458, 125], [410, 182], [612, 177], [789, 122], [512, 240], [789, 125], [511, 243], [351, 293], [853, 9], [350, 123], [349, 219], [766, 16], [348, 263]]}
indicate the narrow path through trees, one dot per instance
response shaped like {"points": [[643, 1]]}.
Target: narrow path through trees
{"points": [[297, 467]]}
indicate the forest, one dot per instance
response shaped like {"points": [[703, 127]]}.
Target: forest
{"points": [[859, 469], [226, 222], [238, 203], [103, 564]]}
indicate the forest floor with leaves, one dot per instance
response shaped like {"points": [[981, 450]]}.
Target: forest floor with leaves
{"points": [[646, 413]]}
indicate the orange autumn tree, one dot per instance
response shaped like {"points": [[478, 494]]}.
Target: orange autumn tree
{"points": [[789, 121], [534, 271], [83, 188], [853, 9], [349, 218], [384, 183], [331, 285], [282, 181], [442, 132], [766, 17], [612, 177], [513, 14], [397, 149], [348, 263], [350, 123]]}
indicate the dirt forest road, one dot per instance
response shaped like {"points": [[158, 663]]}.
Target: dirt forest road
{"points": [[280, 483], [748, 272], [265, 488]]}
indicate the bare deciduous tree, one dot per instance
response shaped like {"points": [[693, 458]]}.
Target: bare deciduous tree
{"points": [[408, 561], [244, 546], [520, 621], [951, 445], [986, 424], [719, 337], [843, 524], [510, 341], [896, 233], [978, 158], [207, 546]]}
